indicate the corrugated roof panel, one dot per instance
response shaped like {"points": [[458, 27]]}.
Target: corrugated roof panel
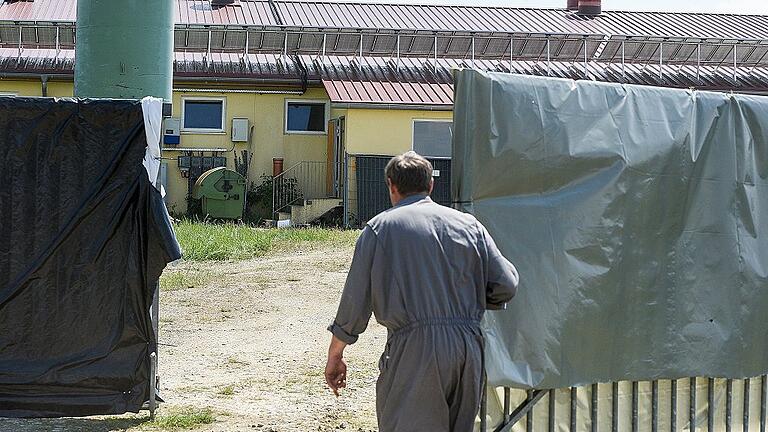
{"points": [[412, 17]]}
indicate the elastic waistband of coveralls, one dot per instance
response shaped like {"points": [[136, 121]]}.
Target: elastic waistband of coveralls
{"points": [[436, 322]]}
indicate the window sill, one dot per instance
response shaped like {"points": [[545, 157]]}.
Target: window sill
{"points": [[203, 132], [304, 133]]}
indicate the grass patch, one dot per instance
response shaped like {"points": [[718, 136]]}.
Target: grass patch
{"points": [[174, 280], [227, 390], [203, 241], [184, 418], [237, 362]]}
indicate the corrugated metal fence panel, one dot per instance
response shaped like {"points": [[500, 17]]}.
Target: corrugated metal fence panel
{"points": [[372, 194], [700, 404], [441, 194]]}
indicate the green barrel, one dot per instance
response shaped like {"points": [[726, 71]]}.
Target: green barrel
{"points": [[124, 49]]}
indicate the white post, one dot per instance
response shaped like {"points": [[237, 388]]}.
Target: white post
{"points": [[511, 55], [208, 50], [325, 42], [623, 61], [548, 58], [473, 51], [586, 67], [436, 53], [698, 62], [398, 52]]}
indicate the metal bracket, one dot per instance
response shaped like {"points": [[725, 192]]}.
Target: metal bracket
{"points": [[524, 408]]}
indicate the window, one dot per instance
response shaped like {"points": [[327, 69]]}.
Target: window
{"points": [[202, 114], [432, 138], [308, 117]]}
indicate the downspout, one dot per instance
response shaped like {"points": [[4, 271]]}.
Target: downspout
{"points": [[44, 85]]}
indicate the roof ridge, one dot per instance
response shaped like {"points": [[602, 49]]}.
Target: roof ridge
{"points": [[467, 6]]}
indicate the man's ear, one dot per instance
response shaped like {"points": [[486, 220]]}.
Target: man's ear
{"points": [[392, 187], [431, 185]]}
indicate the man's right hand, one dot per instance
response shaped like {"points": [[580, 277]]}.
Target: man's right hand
{"points": [[336, 373]]}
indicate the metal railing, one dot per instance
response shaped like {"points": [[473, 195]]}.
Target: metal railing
{"points": [[675, 405], [304, 181]]}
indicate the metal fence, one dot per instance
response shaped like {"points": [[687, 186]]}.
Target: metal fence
{"points": [[693, 404], [303, 181], [367, 193]]}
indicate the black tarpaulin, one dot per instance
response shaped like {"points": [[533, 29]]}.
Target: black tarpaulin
{"points": [[84, 237]]}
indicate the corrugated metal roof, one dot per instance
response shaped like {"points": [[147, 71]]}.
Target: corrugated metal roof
{"points": [[242, 13], [413, 82], [519, 20], [359, 15], [37, 61], [377, 82], [40, 10]]}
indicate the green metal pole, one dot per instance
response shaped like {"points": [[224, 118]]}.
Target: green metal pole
{"points": [[124, 49]]}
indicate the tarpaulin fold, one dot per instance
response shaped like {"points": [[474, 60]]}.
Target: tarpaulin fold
{"points": [[85, 236], [638, 218]]}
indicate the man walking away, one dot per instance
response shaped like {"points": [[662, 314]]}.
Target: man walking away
{"points": [[428, 272]]}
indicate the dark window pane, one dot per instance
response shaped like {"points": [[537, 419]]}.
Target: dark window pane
{"points": [[306, 117], [203, 114], [432, 138]]}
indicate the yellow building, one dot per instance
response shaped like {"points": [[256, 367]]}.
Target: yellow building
{"points": [[326, 91]]}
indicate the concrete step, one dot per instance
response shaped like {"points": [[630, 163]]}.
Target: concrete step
{"points": [[312, 209]]}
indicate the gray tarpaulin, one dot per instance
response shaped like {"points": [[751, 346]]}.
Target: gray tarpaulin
{"points": [[637, 217]]}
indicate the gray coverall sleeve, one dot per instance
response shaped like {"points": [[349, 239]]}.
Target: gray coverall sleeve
{"points": [[503, 278], [355, 307]]}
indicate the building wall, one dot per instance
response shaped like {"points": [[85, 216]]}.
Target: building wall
{"points": [[267, 115], [265, 112], [367, 132], [378, 132], [34, 87], [384, 131]]}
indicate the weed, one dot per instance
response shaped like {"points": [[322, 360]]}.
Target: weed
{"points": [[237, 362], [184, 418], [227, 390], [174, 280]]}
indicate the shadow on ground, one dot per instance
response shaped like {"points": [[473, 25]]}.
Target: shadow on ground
{"points": [[85, 424]]}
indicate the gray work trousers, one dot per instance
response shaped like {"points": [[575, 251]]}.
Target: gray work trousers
{"points": [[431, 377]]}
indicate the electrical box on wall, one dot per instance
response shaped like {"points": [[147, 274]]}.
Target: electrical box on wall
{"points": [[240, 129], [171, 131]]}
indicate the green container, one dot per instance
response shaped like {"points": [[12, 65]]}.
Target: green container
{"points": [[222, 193], [124, 49]]}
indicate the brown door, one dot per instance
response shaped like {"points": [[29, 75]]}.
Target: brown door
{"points": [[336, 150]]}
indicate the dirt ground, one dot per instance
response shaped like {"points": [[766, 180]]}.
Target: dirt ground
{"points": [[248, 341]]}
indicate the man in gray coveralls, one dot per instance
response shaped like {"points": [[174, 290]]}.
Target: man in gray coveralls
{"points": [[428, 273]]}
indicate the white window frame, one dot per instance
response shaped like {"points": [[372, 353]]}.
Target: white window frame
{"points": [[327, 110], [413, 134], [223, 101]]}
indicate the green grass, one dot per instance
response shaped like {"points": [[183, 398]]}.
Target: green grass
{"points": [[202, 241], [227, 390], [172, 280], [184, 418]]}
